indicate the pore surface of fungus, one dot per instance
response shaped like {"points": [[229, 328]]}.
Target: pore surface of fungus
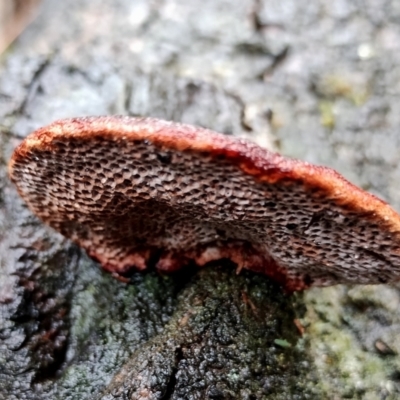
{"points": [[140, 191]]}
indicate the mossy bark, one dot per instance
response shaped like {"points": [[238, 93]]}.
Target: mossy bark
{"points": [[224, 341]]}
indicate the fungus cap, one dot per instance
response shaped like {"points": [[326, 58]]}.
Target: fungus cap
{"points": [[140, 191]]}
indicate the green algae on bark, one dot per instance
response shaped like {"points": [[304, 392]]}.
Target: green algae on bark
{"points": [[109, 321], [353, 342], [221, 344]]}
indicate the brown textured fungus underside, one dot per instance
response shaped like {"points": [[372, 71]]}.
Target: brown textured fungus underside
{"points": [[131, 191]]}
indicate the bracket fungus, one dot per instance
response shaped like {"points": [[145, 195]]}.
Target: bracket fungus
{"points": [[136, 192]]}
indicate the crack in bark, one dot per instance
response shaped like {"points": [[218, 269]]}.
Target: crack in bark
{"points": [[172, 380], [33, 86]]}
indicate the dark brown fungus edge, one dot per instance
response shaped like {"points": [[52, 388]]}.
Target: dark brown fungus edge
{"points": [[264, 167]]}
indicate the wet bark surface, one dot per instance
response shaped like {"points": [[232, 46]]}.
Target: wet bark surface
{"points": [[223, 342], [318, 81]]}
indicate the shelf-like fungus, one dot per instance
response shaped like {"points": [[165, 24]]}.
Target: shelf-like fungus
{"points": [[135, 192]]}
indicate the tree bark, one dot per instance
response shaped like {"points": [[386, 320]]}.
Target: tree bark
{"points": [[247, 68]]}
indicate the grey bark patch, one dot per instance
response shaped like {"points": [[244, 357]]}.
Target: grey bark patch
{"points": [[185, 100]]}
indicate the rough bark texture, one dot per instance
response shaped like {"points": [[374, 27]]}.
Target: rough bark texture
{"points": [[318, 81], [223, 342]]}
